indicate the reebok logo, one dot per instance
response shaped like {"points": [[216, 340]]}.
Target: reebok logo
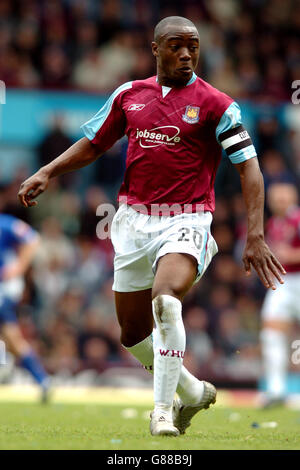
{"points": [[158, 136], [136, 107], [171, 353]]}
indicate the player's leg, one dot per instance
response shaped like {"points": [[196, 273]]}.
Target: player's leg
{"points": [[16, 343], [274, 345], [133, 277], [276, 323], [134, 312], [175, 274], [135, 316]]}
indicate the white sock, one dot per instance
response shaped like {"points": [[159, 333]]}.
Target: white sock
{"points": [[275, 360], [143, 352], [169, 348], [189, 388]]}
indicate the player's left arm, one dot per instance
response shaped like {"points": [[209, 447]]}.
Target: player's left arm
{"points": [[27, 241], [257, 253], [236, 142]]}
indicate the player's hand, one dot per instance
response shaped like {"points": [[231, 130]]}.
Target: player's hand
{"points": [[32, 188], [258, 254]]}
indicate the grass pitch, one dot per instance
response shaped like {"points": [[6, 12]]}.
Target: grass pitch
{"points": [[121, 423]]}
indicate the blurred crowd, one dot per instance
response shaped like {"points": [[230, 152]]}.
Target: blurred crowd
{"points": [[251, 50]]}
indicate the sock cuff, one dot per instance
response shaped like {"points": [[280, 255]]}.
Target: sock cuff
{"points": [[146, 344], [168, 300]]}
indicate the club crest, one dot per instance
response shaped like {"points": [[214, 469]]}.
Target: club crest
{"points": [[191, 114]]}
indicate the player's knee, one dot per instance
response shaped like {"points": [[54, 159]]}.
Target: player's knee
{"points": [[166, 289], [167, 312], [166, 309]]}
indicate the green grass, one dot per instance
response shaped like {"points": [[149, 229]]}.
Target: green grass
{"points": [[96, 426]]}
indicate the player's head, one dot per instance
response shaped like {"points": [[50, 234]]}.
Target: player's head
{"points": [[281, 197], [176, 48]]}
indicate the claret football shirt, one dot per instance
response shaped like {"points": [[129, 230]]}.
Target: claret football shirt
{"points": [[175, 141]]}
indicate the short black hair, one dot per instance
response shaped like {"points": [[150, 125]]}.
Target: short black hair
{"points": [[170, 20]]}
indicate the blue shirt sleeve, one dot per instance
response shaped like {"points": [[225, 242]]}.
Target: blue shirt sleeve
{"points": [[18, 232], [91, 127], [233, 137]]}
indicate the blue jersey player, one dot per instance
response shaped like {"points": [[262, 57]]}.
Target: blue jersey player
{"points": [[18, 244]]}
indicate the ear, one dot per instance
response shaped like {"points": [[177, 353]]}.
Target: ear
{"points": [[154, 46]]}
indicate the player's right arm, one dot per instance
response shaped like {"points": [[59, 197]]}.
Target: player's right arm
{"points": [[101, 132], [80, 154]]}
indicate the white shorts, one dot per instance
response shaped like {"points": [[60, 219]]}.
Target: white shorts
{"points": [[140, 240], [283, 303]]}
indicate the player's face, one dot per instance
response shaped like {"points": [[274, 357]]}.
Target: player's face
{"points": [[177, 55]]}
